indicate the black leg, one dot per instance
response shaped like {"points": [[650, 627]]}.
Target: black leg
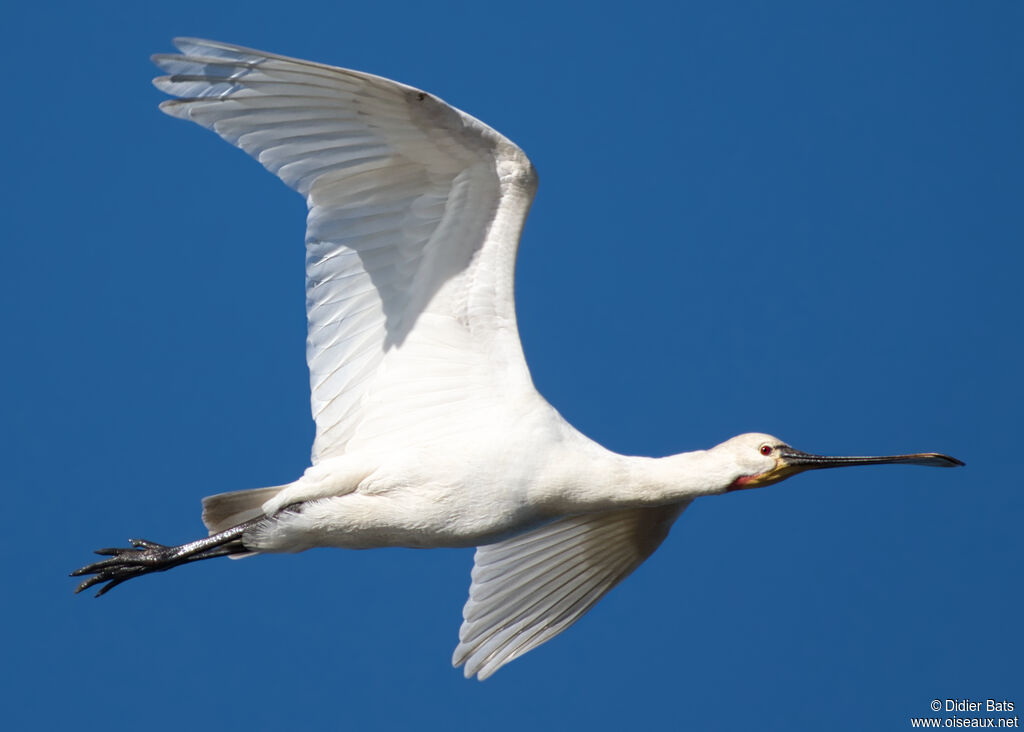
{"points": [[146, 557]]}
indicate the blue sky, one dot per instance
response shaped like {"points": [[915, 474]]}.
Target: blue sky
{"points": [[801, 218]]}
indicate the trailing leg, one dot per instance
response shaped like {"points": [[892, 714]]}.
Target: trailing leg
{"points": [[146, 557]]}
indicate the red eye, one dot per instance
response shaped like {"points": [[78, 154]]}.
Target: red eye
{"points": [[766, 449]]}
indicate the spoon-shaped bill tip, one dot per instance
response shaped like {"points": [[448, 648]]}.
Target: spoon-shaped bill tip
{"points": [[935, 459]]}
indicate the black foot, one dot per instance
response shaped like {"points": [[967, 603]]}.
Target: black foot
{"points": [[142, 557], [146, 557]]}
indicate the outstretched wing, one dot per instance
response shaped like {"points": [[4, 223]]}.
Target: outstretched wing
{"points": [[528, 589], [415, 210]]}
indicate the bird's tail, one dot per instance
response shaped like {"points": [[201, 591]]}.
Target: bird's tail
{"points": [[224, 510]]}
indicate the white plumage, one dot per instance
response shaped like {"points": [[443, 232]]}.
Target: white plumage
{"points": [[428, 429]]}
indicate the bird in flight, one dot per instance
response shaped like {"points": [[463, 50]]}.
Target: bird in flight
{"points": [[429, 431]]}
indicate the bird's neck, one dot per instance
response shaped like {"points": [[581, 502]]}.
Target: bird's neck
{"points": [[680, 477], [623, 481]]}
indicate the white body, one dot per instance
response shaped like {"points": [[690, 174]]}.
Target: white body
{"points": [[478, 490], [429, 430]]}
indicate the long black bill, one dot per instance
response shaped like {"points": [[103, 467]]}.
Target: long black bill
{"points": [[806, 461]]}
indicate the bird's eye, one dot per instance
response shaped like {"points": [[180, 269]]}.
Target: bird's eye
{"points": [[766, 450]]}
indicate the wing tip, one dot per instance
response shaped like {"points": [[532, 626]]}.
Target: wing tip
{"points": [[460, 656], [174, 108], [482, 668]]}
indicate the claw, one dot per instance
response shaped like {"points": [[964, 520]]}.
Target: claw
{"points": [[89, 583], [143, 544], [103, 590], [97, 566], [87, 569]]}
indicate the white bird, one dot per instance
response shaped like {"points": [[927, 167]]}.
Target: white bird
{"points": [[429, 432]]}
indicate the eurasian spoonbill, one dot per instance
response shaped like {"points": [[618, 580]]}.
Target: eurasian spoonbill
{"points": [[429, 432]]}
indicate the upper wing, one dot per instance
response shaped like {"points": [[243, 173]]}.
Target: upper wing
{"points": [[528, 589], [414, 208]]}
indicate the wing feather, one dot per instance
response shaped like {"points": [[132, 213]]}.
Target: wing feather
{"points": [[414, 206], [528, 589]]}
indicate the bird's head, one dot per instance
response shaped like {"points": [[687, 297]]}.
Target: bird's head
{"points": [[762, 460]]}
